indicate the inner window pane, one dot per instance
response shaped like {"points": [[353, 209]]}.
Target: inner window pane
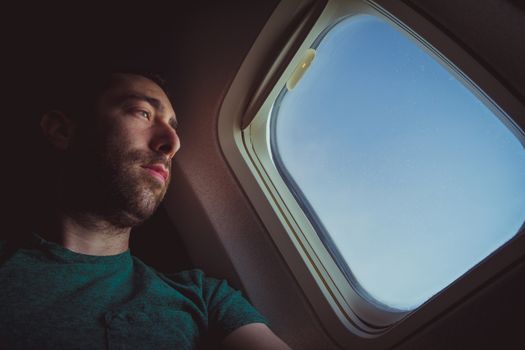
{"points": [[409, 177]]}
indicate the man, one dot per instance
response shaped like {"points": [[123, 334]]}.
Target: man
{"points": [[75, 284]]}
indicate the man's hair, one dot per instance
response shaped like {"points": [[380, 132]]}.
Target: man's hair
{"points": [[76, 94]]}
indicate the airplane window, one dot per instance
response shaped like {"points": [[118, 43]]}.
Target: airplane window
{"points": [[409, 178]]}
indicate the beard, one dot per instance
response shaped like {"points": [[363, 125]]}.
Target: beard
{"points": [[110, 183]]}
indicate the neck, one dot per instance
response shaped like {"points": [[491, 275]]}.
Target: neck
{"points": [[90, 234]]}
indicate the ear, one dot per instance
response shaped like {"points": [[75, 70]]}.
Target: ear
{"points": [[58, 129]]}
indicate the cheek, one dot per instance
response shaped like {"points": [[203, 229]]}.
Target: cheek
{"points": [[124, 150], [127, 137], [122, 133]]}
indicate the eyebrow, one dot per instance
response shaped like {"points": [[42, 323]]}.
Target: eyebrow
{"points": [[155, 103]]}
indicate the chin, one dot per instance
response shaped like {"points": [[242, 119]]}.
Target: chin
{"points": [[143, 204], [137, 198]]}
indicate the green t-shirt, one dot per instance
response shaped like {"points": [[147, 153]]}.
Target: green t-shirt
{"points": [[53, 298]]}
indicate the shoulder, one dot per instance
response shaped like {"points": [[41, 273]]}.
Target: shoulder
{"points": [[214, 292], [193, 281], [7, 248], [194, 278], [226, 308]]}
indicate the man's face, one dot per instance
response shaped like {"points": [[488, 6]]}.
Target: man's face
{"points": [[125, 154]]}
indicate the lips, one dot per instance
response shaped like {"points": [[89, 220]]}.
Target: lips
{"points": [[158, 171]]}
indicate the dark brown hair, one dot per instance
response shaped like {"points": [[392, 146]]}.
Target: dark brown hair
{"points": [[76, 94]]}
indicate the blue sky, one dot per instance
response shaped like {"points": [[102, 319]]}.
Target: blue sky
{"points": [[415, 179]]}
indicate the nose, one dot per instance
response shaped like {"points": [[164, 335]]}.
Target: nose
{"points": [[165, 140]]}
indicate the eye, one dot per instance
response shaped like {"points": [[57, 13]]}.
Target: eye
{"points": [[143, 114]]}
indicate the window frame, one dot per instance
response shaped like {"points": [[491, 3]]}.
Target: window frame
{"points": [[333, 299]]}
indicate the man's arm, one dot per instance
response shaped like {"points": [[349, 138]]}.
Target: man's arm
{"points": [[254, 336]]}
